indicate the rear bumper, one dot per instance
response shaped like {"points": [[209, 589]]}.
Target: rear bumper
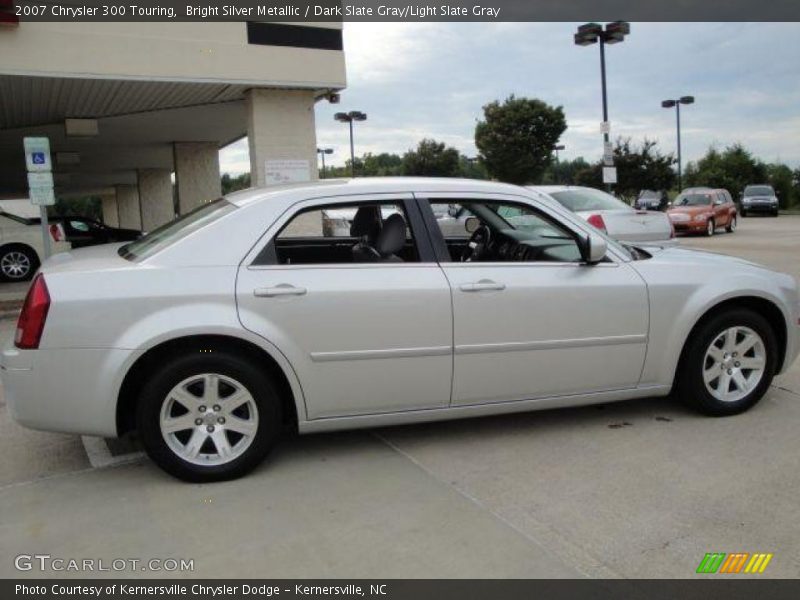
{"points": [[65, 390]]}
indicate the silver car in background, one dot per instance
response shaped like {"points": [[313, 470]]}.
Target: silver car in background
{"points": [[759, 199], [612, 216], [342, 304]]}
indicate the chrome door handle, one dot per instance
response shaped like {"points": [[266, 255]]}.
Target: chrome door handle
{"points": [[279, 290], [484, 285]]}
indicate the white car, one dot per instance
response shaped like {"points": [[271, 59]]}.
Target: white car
{"points": [[22, 246], [217, 332], [607, 213]]}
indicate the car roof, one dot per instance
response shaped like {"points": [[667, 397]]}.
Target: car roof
{"points": [[367, 185]]}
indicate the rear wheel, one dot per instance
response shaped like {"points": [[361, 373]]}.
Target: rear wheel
{"points": [[209, 417], [743, 213], [731, 225], [710, 227], [17, 263], [728, 364]]}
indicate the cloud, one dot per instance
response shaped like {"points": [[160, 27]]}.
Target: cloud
{"points": [[432, 79]]}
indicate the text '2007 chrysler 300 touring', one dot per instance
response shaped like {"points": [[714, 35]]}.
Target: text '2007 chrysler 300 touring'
{"points": [[343, 304]]}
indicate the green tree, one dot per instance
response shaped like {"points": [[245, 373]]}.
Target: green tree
{"points": [[432, 159], [781, 178], [732, 169], [641, 167], [564, 172], [516, 138], [233, 184], [471, 168]]}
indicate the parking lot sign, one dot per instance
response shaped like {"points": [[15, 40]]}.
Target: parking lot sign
{"points": [[37, 154]]}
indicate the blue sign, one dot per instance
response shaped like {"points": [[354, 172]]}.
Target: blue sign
{"points": [[38, 158]]}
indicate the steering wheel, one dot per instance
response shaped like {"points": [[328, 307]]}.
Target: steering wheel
{"points": [[477, 244]]}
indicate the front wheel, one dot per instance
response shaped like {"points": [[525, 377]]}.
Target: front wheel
{"points": [[208, 417], [731, 225], [710, 227], [728, 364]]}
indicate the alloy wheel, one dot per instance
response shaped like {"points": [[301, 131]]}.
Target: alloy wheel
{"points": [[15, 265], [734, 364], [710, 228], [209, 419]]}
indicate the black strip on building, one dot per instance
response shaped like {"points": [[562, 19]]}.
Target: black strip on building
{"points": [[295, 36]]}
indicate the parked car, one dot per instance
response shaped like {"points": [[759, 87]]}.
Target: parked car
{"points": [[652, 200], [216, 333], [84, 231], [759, 199], [22, 246], [611, 215], [703, 210]]}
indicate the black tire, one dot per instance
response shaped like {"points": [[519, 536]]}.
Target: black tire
{"points": [[689, 385], [731, 226], [238, 368], [710, 227], [775, 214], [743, 213], [14, 256]]}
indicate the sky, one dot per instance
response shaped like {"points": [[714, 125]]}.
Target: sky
{"points": [[417, 80]]}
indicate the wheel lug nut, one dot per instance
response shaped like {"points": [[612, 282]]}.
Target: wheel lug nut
{"points": [[210, 429], [202, 409], [737, 365], [217, 408], [730, 371], [221, 420], [198, 421]]}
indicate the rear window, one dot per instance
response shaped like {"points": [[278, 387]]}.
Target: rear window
{"points": [[588, 199], [171, 232]]}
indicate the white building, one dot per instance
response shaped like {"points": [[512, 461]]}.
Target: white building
{"points": [[127, 106]]}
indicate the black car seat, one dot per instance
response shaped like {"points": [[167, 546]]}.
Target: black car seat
{"points": [[391, 239], [366, 226]]}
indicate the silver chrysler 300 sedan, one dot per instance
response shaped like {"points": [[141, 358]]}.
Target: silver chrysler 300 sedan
{"points": [[261, 312]]}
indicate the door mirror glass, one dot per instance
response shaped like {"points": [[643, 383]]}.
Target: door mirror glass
{"points": [[472, 224]]}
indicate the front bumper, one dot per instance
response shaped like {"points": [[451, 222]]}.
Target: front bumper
{"points": [[760, 208], [64, 390], [689, 226]]}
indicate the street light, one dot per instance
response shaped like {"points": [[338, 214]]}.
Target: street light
{"points": [[677, 105], [322, 152], [591, 33], [557, 148], [349, 117]]}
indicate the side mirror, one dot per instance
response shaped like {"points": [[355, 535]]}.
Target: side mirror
{"points": [[472, 224], [593, 249]]}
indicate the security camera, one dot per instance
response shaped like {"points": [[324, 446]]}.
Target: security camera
{"points": [[334, 98]]}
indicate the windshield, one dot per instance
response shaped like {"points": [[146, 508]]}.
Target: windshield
{"points": [[758, 190], [171, 232], [693, 200], [587, 199]]}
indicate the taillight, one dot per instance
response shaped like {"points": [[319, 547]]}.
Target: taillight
{"points": [[34, 313], [55, 232], [597, 221]]}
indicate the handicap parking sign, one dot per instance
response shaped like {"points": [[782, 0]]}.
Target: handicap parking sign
{"points": [[37, 154]]}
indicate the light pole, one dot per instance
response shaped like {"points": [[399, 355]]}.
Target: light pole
{"points": [[349, 117], [557, 148], [677, 104], [614, 33], [322, 152]]}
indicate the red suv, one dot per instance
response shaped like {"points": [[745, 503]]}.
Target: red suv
{"points": [[703, 210]]}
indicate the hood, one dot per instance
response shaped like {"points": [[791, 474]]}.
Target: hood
{"points": [[685, 256], [689, 210]]}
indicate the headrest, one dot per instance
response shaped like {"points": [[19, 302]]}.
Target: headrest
{"points": [[392, 237]]}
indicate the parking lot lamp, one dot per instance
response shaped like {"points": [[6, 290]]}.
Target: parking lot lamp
{"points": [[557, 148], [322, 152], [677, 105], [349, 118], [591, 33]]}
